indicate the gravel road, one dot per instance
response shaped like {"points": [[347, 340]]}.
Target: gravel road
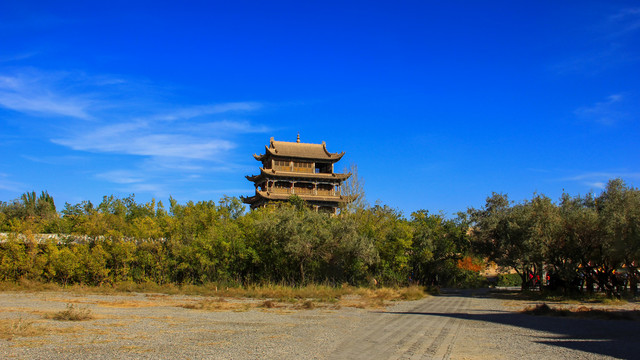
{"points": [[454, 325]]}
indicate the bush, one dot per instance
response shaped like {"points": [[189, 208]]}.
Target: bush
{"points": [[72, 313], [509, 280]]}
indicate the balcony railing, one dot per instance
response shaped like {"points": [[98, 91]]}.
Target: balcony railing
{"points": [[303, 191], [303, 170]]}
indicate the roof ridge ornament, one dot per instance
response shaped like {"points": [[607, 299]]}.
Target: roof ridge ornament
{"points": [[298, 140]]}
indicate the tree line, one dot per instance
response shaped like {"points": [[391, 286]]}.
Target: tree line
{"points": [[580, 244], [201, 242]]}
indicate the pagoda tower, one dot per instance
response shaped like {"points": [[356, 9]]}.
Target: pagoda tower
{"points": [[295, 168]]}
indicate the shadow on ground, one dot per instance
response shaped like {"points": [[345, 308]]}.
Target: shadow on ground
{"points": [[616, 338]]}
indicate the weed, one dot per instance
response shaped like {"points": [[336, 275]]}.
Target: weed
{"points": [[219, 304], [71, 313], [582, 312], [412, 293], [308, 305], [20, 327]]}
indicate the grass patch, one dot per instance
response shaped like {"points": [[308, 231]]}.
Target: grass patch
{"points": [[12, 328], [582, 312], [28, 286], [268, 304], [71, 313], [219, 304], [317, 292], [308, 305], [549, 296], [286, 296]]}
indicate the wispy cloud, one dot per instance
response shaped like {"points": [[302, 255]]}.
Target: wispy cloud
{"points": [[157, 190], [121, 176], [9, 185], [55, 160], [38, 94], [113, 115], [599, 179], [608, 112], [604, 175], [16, 57], [189, 132], [204, 141], [203, 110], [612, 43], [625, 21]]}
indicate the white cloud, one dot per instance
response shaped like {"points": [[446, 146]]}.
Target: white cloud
{"points": [[613, 43], [9, 185], [112, 115], [604, 175], [121, 176], [599, 179], [56, 160], [233, 126], [16, 57], [625, 21], [203, 110], [158, 190], [598, 185], [39, 94], [608, 112], [145, 140]]}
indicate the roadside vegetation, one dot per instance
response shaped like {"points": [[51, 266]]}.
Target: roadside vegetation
{"points": [[14, 328], [580, 244], [121, 243], [584, 312], [71, 313]]}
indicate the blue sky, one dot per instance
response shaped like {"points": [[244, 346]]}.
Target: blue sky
{"points": [[438, 103]]}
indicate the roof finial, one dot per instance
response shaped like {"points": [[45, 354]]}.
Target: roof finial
{"points": [[298, 138]]}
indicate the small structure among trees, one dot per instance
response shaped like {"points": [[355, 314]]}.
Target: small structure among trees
{"points": [[301, 169]]}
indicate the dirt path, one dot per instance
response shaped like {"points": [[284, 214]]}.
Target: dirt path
{"points": [[403, 335], [473, 325], [454, 325]]}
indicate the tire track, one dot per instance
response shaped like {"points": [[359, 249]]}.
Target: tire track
{"points": [[430, 325], [412, 334]]}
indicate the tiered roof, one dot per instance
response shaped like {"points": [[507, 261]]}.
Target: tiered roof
{"points": [[290, 151], [299, 150]]}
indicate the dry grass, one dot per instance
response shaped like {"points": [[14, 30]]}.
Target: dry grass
{"points": [[28, 286], [12, 328], [71, 313], [322, 293], [582, 312], [268, 304], [290, 297], [308, 298], [219, 304], [308, 305]]}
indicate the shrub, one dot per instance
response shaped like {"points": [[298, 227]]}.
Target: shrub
{"points": [[509, 280], [72, 313]]}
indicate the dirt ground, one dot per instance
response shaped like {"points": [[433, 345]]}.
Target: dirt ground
{"points": [[455, 325]]}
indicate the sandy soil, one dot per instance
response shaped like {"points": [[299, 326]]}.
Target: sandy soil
{"points": [[456, 325]]}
